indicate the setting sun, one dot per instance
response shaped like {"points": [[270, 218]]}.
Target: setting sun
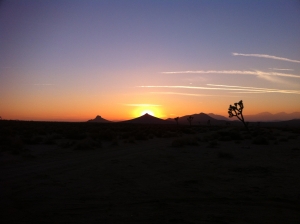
{"points": [[151, 109], [147, 112]]}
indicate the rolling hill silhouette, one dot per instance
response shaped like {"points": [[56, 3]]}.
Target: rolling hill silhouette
{"points": [[266, 116], [202, 118], [218, 117], [146, 119], [99, 119]]}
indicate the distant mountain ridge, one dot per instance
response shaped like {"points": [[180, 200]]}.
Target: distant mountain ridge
{"points": [[203, 118], [200, 118], [218, 117], [99, 119], [146, 119], [266, 116]]}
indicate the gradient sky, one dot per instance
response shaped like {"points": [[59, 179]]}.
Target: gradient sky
{"points": [[72, 60]]}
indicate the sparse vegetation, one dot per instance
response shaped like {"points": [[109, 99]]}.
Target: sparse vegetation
{"points": [[177, 120], [186, 140], [237, 111], [190, 118]]}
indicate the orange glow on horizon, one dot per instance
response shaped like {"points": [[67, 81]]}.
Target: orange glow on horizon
{"points": [[147, 112], [153, 111]]}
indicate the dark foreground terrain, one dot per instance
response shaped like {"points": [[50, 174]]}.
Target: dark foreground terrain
{"points": [[125, 173]]}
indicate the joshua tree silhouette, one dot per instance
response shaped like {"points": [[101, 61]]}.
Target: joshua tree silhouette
{"points": [[0, 118], [190, 118], [237, 111], [176, 119]]}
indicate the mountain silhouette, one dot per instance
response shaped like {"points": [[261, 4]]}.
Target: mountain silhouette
{"points": [[99, 119], [266, 116], [201, 117], [146, 119], [218, 117]]}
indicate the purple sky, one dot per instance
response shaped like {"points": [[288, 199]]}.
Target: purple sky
{"points": [[72, 60]]}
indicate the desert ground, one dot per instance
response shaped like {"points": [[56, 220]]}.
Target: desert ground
{"points": [[109, 174]]}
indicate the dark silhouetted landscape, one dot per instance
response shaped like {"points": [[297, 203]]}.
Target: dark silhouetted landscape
{"points": [[150, 111], [149, 170]]}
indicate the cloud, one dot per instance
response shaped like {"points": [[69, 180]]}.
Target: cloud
{"points": [[188, 94], [266, 56], [235, 72], [141, 105], [183, 94], [282, 69], [257, 90], [42, 84], [228, 88]]}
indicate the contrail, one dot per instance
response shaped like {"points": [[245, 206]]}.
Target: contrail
{"points": [[235, 72], [227, 89], [183, 94], [188, 94], [266, 56], [282, 69], [260, 89]]}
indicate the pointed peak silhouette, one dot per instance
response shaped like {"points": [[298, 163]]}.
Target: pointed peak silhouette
{"points": [[99, 119], [147, 119]]}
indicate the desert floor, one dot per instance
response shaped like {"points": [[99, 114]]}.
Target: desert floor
{"points": [[152, 182]]}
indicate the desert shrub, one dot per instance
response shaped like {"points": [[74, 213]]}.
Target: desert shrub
{"points": [[225, 155], [187, 131], [212, 144], [271, 137], [67, 144], [87, 144], [32, 140], [293, 136], [125, 135], [283, 139], [182, 141], [131, 139], [141, 136], [210, 136], [49, 140], [115, 142], [260, 140], [169, 134], [17, 146], [150, 136], [247, 136], [74, 134], [107, 135]]}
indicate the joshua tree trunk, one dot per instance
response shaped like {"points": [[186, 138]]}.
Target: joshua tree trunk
{"points": [[237, 111]]}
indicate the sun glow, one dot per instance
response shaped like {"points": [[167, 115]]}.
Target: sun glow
{"points": [[151, 110], [147, 112]]}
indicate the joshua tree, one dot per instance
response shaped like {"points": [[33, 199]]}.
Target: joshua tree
{"points": [[176, 119], [190, 118], [237, 110]]}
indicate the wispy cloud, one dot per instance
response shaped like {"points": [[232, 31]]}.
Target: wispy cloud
{"points": [[266, 56], [235, 72], [282, 69], [228, 88], [183, 94], [190, 94], [141, 105], [257, 90], [43, 84]]}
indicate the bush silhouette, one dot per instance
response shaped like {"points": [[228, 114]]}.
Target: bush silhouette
{"points": [[237, 111], [176, 119], [190, 118]]}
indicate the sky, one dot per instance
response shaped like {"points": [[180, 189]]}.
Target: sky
{"points": [[70, 60]]}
